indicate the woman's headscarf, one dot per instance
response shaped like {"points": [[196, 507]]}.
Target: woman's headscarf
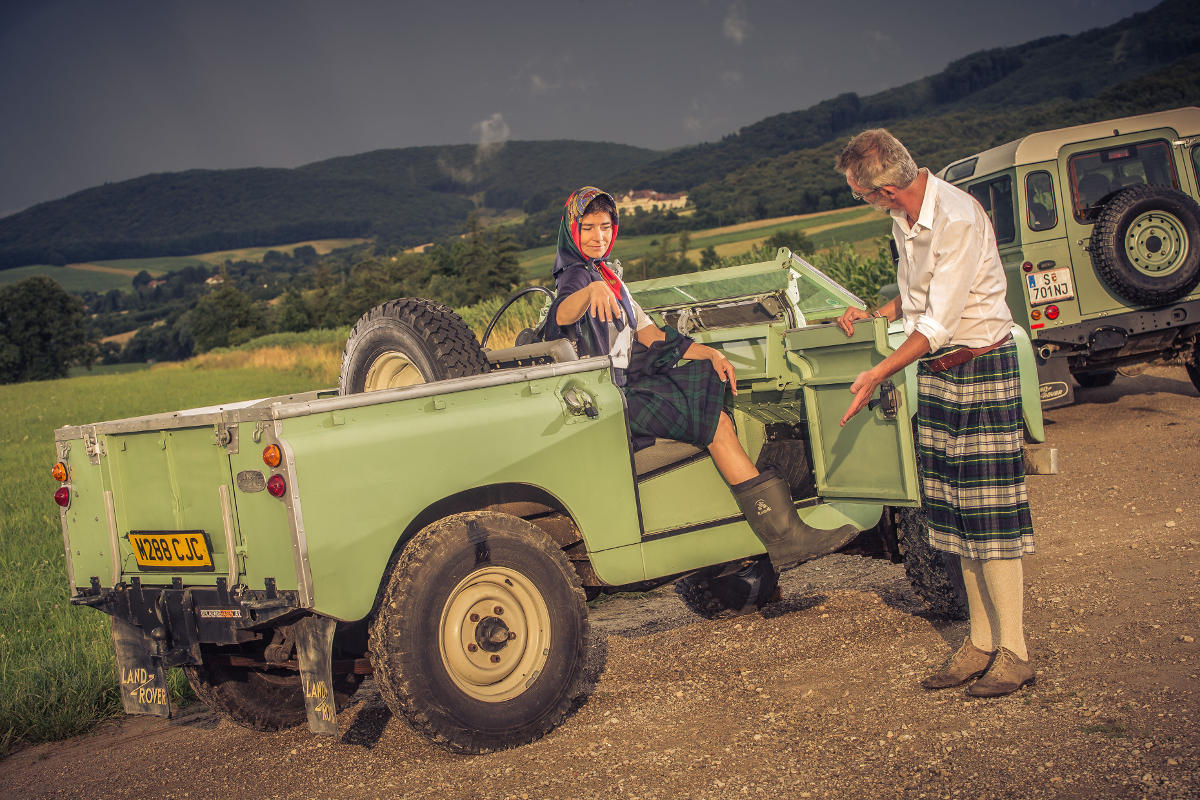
{"points": [[569, 251], [573, 271]]}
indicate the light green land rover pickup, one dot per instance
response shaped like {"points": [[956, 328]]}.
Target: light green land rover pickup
{"points": [[440, 520]]}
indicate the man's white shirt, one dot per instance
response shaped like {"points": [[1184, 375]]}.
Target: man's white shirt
{"points": [[952, 284]]}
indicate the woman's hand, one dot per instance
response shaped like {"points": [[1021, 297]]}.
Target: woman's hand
{"points": [[718, 360], [595, 298]]}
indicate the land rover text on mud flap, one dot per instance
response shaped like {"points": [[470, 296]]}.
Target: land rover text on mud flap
{"points": [[430, 521], [1099, 231]]}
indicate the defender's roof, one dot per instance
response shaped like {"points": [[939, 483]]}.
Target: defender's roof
{"points": [[1044, 145]]}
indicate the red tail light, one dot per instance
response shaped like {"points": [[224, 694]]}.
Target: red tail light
{"points": [[63, 496], [275, 486], [1051, 312]]}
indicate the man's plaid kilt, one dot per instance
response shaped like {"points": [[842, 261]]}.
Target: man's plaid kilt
{"points": [[971, 458]]}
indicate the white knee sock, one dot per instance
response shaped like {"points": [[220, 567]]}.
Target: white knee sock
{"points": [[984, 623], [1003, 580]]}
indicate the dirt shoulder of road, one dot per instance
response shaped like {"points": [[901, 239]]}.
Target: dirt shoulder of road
{"points": [[817, 696]]}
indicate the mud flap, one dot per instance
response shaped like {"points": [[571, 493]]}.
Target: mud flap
{"points": [[1055, 385], [143, 684], [314, 649]]}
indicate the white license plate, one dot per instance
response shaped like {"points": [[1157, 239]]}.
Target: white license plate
{"points": [[1049, 286]]}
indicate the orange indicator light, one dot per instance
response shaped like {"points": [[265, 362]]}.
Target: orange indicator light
{"points": [[272, 455], [59, 473]]}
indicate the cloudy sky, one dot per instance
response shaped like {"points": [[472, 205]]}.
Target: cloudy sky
{"points": [[104, 90]]}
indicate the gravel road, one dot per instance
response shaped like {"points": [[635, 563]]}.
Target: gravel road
{"points": [[817, 696]]}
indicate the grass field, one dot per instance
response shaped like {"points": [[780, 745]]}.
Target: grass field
{"points": [[851, 225], [72, 279], [101, 276], [56, 667]]}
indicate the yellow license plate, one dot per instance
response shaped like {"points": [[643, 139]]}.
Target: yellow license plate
{"points": [[173, 551]]}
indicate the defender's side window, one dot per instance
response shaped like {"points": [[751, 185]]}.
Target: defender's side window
{"points": [[1196, 163], [996, 197], [1097, 176], [1041, 212]]}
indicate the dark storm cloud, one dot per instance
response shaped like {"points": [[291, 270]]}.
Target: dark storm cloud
{"points": [[103, 91]]}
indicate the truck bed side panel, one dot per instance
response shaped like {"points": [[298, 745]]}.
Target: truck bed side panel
{"points": [[361, 482]]}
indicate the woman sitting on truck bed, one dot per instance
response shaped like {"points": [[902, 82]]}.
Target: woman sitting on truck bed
{"points": [[594, 310]]}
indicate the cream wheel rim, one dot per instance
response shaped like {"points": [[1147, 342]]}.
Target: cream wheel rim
{"points": [[392, 370], [494, 634]]}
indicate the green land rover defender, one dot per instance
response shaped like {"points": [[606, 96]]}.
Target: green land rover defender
{"points": [[1099, 231], [440, 520]]}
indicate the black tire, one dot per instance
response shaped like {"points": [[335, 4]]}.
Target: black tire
{"points": [[743, 592], [935, 576], [407, 342], [1193, 366], [423, 634], [1094, 380], [1146, 244], [261, 699]]}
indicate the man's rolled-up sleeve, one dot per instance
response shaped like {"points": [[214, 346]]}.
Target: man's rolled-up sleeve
{"points": [[956, 250]]}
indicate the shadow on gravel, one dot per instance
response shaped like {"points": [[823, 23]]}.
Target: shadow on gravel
{"points": [[198, 717], [1141, 384], [373, 716]]}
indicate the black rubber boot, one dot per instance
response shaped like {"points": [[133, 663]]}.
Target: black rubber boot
{"points": [[767, 503]]}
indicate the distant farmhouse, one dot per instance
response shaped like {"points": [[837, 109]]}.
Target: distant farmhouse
{"points": [[647, 199]]}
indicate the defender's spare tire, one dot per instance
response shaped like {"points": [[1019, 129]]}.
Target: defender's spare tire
{"points": [[408, 342], [1146, 244]]}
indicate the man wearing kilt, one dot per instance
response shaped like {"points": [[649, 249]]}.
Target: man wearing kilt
{"points": [[952, 289]]}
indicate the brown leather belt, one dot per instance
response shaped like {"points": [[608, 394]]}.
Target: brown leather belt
{"points": [[961, 356]]}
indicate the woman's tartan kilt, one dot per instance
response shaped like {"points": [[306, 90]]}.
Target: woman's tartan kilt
{"points": [[971, 457]]}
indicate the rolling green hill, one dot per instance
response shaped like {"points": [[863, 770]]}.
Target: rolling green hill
{"points": [[1069, 68], [406, 196]]}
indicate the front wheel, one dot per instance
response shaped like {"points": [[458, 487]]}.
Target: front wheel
{"points": [[743, 592], [482, 638], [935, 576]]}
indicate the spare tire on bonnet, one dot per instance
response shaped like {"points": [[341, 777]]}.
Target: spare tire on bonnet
{"points": [[407, 342]]}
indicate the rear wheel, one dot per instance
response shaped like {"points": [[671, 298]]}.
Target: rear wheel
{"points": [[935, 576], [482, 639], [1193, 366], [405, 343], [265, 699], [744, 592], [1094, 380]]}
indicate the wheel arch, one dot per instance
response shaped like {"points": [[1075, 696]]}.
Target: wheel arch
{"points": [[531, 503]]}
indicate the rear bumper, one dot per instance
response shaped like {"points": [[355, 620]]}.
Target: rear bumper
{"points": [[177, 620]]}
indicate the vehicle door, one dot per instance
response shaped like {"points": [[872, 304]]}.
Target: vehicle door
{"points": [[873, 457]]}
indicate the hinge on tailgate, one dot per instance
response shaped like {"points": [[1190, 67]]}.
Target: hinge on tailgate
{"points": [[226, 436], [94, 446]]}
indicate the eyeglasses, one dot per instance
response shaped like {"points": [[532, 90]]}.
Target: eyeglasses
{"points": [[862, 197]]}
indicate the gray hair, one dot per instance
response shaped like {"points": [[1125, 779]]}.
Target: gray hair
{"points": [[875, 158]]}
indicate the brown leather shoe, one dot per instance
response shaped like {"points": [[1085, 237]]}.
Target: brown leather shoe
{"points": [[1006, 674], [967, 663]]}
